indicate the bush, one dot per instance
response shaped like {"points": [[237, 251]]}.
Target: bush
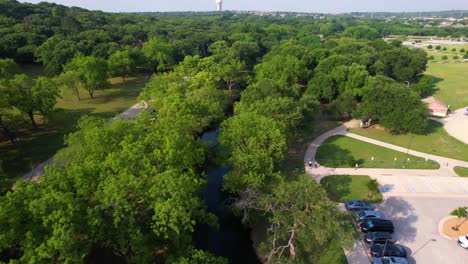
{"points": [[437, 47], [373, 185], [454, 49], [418, 41], [462, 50], [456, 57], [465, 56], [429, 47], [444, 48], [351, 160], [444, 57], [431, 57]]}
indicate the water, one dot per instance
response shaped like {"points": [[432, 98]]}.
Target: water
{"points": [[232, 239]]}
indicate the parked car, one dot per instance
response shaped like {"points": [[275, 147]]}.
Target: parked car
{"points": [[367, 214], [358, 205], [390, 260], [391, 250], [378, 238], [463, 241], [376, 225], [466, 111]]}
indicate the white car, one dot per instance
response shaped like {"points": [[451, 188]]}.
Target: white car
{"points": [[463, 241], [390, 260]]}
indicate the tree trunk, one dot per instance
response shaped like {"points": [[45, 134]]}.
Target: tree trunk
{"points": [[91, 93], [458, 226], [7, 132], [292, 249], [123, 78], [369, 122], [33, 122], [77, 93]]}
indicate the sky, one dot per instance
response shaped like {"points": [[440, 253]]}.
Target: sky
{"points": [[313, 6]]}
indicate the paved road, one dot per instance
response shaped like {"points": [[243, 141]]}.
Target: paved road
{"points": [[456, 124], [416, 200], [131, 112]]}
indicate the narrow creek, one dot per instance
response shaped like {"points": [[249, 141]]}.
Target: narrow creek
{"points": [[232, 239]]}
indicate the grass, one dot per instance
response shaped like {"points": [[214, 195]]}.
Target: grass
{"points": [[37, 146], [344, 152], [298, 146], [341, 188], [461, 171], [333, 254], [451, 87], [437, 142]]}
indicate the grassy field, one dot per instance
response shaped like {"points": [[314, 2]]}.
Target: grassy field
{"points": [[344, 152], [37, 146], [341, 188], [300, 142], [437, 142], [461, 171]]}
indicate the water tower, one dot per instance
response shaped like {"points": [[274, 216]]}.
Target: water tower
{"points": [[219, 5]]}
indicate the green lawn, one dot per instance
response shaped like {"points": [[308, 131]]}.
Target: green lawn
{"points": [[451, 82], [38, 146], [344, 152], [461, 171], [341, 188], [300, 141], [437, 142], [333, 254]]}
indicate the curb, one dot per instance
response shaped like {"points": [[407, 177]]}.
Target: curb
{"points": [[441, 226]]}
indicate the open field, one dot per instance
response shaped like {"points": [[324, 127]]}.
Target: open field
{"points": [[437, 142], [341, 188], [37, 146], [344, 152], [462, 172]]}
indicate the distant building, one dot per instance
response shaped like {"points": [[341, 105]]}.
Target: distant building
{"points": [[436, 107]]}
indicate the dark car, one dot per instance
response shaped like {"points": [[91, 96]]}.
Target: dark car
{"points": [[376, 225], [391, 250], [378, 238], [367, 214], [358, 205]]}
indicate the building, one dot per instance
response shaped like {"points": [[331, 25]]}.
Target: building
{"points": [[219, 5]]}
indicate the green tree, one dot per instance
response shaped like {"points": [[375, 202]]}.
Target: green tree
{"points": [[444, 57], [70, 80], [159, 53], [92, 71], [255, 145], [33, 96], [429, 47], [286, 70], [456, 57], [301, 217], [8, 68], [122, 64], [454, 50], [438, 47], [55, 52], [424, 87], [462, 50], [460, 212]]}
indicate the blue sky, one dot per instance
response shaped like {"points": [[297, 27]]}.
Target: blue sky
{"points": [[325, 6]]}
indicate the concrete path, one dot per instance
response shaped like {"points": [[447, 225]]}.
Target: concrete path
{"points": [[131, 112], [456, 124]]}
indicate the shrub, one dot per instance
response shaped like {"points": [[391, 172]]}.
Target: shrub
{"points": [[373, 185], [444, 48], [454, 49], [465, 56], [429, 47], [462, 50], [351, 160], [437, 47], [444, 57], [431, 57], [456, 57]]}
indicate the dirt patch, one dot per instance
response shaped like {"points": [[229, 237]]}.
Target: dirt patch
{"points": [[452, 222]]}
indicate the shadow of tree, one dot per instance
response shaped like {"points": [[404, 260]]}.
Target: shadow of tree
{"points": [[337, 187], [332, 156], [403, 216]]}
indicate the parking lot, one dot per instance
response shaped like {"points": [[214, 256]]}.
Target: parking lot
{"points": [[416, 222]]}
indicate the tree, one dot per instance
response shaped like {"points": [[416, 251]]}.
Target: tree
{"points": [[8, 68], [231, 72], [437, 47], [92, 71], [462, 50], [444, 48], [429, 47], [454, 50], [255, 145], [456, 57], [159, 53], [460, 212], [55, 52], [286, 70], [424, 87], [33, 96], [301, 217], [397, 108], [122, 64], [444, 57], [70, 80]]}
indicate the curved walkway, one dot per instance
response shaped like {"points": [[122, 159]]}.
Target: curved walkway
{"points": [[441, 182], [456, 124]]}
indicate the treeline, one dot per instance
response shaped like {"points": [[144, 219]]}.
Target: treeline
{"points": [[132, 188]]}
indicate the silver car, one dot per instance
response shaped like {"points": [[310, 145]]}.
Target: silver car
{"points": [[367, 214]]}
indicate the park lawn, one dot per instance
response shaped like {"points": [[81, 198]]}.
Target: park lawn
{"points": [[437, 142], [452, 88], [461, 171], [333, 254], [36, 147], [300, 141], [341, 188], [336, 151]]}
